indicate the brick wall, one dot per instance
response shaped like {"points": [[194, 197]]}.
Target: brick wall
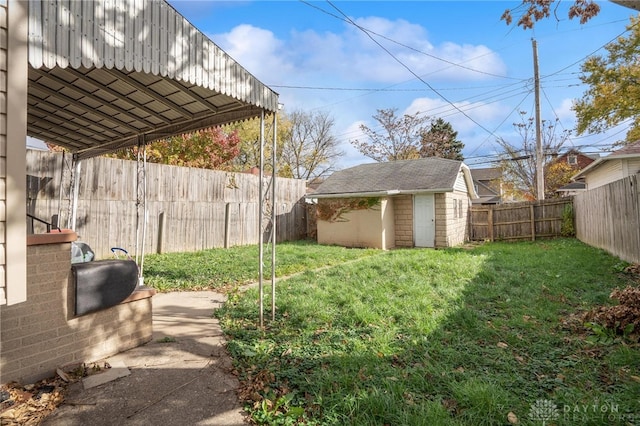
{"points": [[403, 208], [41, 334]]}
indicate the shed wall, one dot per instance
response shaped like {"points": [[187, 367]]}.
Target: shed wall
{"points": [[372, 228], [403, 213], [452, 209], [460, 183]]}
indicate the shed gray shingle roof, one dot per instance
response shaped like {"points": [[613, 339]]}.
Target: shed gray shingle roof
{"points": [[406, 175]]}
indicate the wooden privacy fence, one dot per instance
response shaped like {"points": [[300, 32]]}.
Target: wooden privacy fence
{"points": [[188, 209], [518, 221], [608, 217]]}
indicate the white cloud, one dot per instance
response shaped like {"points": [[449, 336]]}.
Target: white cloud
{"points": [[258, 50], [565, 113], [352, 56], [351, 155]]}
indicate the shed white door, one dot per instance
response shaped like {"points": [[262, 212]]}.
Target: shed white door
{"points": [[424, 223]]}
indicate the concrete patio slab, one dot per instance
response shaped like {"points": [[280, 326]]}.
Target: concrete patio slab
{"points": [[182, 377]]}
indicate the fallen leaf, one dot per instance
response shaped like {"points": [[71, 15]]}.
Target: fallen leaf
{"points": [[62, 375], [502, 345], [519, 359], [512, 418], [459, 370], [635, 378]]}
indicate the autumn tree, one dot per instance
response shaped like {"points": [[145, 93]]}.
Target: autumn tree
{"points": [[399, 138], [211, 148], [440, 140], [528, 12], [556, 175], [613, 95], [518, 160], [249, 134]]}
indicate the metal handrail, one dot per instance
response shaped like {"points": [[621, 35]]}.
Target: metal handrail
{"points": [[48, 225]]}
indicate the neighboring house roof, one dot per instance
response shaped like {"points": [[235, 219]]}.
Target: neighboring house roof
{"points": [[495, 199], [631, 150], [580, 160], [486, 174], [485, 184], [573, 186], [395, 177]]}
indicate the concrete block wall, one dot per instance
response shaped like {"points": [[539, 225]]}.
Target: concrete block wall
{"points": [[403, 209], [452, 209], [42, 334], [442, 215]]}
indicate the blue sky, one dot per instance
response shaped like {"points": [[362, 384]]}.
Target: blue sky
{"points": [[317, 60]]}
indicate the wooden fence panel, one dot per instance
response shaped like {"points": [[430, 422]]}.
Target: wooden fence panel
{"points": [[608, 217], [518, 221], [186, 206]]}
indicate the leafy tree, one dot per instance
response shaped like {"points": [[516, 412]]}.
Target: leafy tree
{"points": [[399, 139], [614, 87], [518, 161], [441, 141], [211, 148], [249, 133], [556, 175], [532, 11]]}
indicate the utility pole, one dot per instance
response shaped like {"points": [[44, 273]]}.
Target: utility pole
{"points": [[539, 153]]}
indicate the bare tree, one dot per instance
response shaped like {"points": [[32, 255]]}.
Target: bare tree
{"points": [[310, 150], [400, 138], [518, 160]]}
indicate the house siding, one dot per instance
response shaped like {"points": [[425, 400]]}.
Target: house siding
{"points": [[460, 184], [13, 134], [3, 145], [403, 212], [608, 172], [632, 167]]}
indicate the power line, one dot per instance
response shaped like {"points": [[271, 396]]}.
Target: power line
{"points": [[409, 69], [367, 31]]}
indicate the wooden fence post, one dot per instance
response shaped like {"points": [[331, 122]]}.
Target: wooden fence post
{"points": [[533, 222], [490, 222], [227, 224], [159, 247]]}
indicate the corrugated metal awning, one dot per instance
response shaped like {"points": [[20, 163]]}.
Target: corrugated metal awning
{"points": [[104, 75]]}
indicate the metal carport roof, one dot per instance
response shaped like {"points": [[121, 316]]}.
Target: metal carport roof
{"points": [[104, 75]]}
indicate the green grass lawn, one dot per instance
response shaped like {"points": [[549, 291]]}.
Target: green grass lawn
{"points": [[480, 336], [229, 268]]}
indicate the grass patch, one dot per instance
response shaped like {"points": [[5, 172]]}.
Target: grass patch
{"points": [[438, 337], [228, 268]]}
